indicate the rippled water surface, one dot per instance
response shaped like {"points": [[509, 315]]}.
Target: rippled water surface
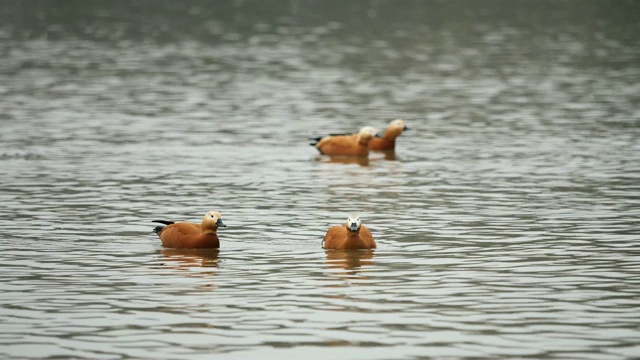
{"points": [[506, 221]]}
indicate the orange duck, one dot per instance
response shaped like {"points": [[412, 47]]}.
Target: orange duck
{"points": [[350, 235], [346, 145], [388, 141], [184, 235]]}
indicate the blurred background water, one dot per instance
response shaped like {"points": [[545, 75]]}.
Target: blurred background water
{"points": [[507, 219]]}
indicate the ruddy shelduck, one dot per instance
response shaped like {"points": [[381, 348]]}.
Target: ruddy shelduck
{"points": [[388, 141], [346, 145], [350, 235], [184, 235]]}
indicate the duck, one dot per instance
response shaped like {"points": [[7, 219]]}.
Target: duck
{"points": [[350, 235], [346, 145], [185, 235], [387, 142]]}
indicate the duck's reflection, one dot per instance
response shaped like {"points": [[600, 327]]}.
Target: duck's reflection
{"points": [[390, 155], [351, 261], [362, 161], [189, 258]]}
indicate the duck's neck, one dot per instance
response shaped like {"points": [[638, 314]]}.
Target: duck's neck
{"points": [[352, 233], [210, 231], [363, 142], [354, 240], [391, 134]]}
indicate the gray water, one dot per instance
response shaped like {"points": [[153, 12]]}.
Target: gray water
{"points": [[507, 220]]}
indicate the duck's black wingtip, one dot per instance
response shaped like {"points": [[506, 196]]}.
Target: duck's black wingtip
{"points": [[158, 229], [315, 140], [162, 222]]}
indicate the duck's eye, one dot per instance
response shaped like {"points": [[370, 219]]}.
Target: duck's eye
{"points": [[212, 216]]}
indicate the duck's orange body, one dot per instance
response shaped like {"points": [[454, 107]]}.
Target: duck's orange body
{"points": [[346, 145], [382, 144], [388, 141], [345, 236], [187, 236], [184, 235]]}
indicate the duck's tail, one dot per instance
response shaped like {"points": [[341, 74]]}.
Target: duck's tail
{"points": [[158, 229], [315, 140]]}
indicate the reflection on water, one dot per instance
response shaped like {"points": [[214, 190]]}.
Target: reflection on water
{"points": [[506, 220], [390, 155], [362, 161], [348, 259], [349, 265], [189, 258]]}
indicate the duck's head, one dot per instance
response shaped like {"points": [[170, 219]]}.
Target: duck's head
{"points": [[353, 223], [366, 134], [395, 128], [211, 221]]}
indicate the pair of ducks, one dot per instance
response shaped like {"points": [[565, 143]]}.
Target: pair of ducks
{"points": [[359, 144], [350, 235], [183, 235]]}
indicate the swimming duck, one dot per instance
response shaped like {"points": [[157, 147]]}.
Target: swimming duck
{"points": [[350, 235], [346, 145], [184, 235], [388, 140]]}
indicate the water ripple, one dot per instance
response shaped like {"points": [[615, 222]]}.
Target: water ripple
{"points": [[506, 221]]}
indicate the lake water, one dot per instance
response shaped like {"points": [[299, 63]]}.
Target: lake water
{"points": [[507, 220]]}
